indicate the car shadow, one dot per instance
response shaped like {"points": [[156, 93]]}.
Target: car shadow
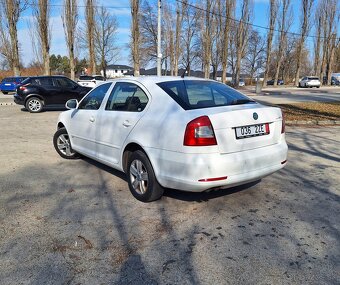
{"points": [[48, 109], [178, 194]]}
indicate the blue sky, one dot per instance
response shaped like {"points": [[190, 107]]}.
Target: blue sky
{"points": [[121, 9]]}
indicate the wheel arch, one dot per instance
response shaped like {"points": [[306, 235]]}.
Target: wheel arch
{"points": [[34, 96]]}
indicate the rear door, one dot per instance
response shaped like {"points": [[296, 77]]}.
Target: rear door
{"points": [[123, 110], [47, 89]]}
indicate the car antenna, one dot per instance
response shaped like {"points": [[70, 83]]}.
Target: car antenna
{"points": [[185, 71]]}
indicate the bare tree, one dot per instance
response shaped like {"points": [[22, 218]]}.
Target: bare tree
{"points": [[135, 35], [5, 48], [272, 21], [90, 30], [105, 38], [306, 6], [179, 22], [12, 10], [229, 12], [41, 12], [206, 38], [285, 21], [255, 54], [317, 44], [241, 39], [70, 19]]}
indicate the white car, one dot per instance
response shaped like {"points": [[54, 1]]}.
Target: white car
{"points": [[310, 81], [90, 80], [167, 132]]}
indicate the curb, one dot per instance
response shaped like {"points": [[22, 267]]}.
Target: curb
{"points": [[7, 104], [313, 122]]}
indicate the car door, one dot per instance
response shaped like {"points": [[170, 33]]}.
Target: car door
{"points": [[124, 108], [84, 121], [67, 89], [47, 89]]}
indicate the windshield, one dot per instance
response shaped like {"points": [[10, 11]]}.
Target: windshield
{"points": [[197, 94]]}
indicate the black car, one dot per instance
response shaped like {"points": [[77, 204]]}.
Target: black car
{"points": [[271, 82], [40, 91]]}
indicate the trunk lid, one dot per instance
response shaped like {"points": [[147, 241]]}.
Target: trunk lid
{"points": [[226, 120]]}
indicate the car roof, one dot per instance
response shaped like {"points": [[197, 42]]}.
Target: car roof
{"points": [[147, 80]]}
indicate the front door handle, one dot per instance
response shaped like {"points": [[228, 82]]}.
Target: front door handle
{"points": [[92, 119], [126, 123]]}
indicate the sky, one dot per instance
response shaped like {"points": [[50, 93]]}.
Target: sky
{"points": [[121, 9]]}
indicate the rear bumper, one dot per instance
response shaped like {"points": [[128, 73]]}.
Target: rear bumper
{"points": [[183, 171], [18, 100]]}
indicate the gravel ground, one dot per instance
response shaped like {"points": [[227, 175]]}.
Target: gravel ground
{"points": [[75, 222]]}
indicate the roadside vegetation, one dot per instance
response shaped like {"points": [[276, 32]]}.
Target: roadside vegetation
{"points": [[311, 111]]}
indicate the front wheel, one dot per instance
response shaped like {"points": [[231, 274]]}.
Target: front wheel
{"points": [[34, 105], [62, 144], [141, 178]]}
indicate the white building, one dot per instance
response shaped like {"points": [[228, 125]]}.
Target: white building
{"points": [[115, 70]]}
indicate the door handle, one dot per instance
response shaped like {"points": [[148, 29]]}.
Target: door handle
{"points": [[92, 119], [126, 123]]}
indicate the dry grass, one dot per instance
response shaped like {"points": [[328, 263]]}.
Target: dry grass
{"points": [[311, 111]]}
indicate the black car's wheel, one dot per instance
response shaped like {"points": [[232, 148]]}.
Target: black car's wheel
{"points": [[4, 92], [141, 178], [34, 105], [62, 144]]}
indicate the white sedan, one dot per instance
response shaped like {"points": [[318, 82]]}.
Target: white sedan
{"points": [[310, 81], [167, 132]]}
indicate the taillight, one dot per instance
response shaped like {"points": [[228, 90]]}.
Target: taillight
{"points": [[283, 128], [23, 87], [199, 132]]}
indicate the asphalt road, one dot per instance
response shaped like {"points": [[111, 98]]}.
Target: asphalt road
{"points": [[75, 222]]}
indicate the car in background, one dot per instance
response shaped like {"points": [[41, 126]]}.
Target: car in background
{"points": [[310, 81], [90, 80], [271, 82], [36, 92], [188, 134], [334, 81], [241, 83], [9, 84]]}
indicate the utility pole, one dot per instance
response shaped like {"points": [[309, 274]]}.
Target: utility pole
{"points": [[159, 52]]}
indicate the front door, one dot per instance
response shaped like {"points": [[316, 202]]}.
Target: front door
{"points": [[85, 124]]}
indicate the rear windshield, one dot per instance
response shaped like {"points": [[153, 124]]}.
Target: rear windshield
{"points": [[197, 94], [313, 78], [13, 79], [85, 77], [99, 78]]}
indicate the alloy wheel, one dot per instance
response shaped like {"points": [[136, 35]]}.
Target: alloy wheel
{"points": [[64, 145], [34, 105], [139, 176]]}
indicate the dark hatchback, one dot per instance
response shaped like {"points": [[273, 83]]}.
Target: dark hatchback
{"points": [[37, 92], [9, 84]]}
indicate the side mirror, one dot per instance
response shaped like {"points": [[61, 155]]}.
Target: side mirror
{"points": [[72, 104]]}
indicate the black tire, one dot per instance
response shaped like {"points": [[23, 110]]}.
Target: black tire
{"points": [[143, 188], [34, 105], [62, 144], [4, 92]]}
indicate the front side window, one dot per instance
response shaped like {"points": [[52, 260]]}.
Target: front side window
{"points": [[94, 99], [127, 97], [196, 94]]}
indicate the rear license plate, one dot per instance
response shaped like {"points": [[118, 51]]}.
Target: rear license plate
{"points": [[252, 131], [7, 84]]}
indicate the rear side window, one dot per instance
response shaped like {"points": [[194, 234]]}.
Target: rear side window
{"points": [[94, 99], [127, 97], [197, 94]]}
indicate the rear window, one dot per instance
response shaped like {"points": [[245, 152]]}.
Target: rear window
{"points": [[99, 78], [8, 79], [197, 94], [85, 77], [313, 78]]}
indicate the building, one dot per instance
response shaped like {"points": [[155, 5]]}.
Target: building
{"points": [[117, 70]]}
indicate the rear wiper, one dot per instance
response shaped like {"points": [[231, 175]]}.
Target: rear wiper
{"points": [[241, 101]]}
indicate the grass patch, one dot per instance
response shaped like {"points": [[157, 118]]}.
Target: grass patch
{"points": [[311, 111]]}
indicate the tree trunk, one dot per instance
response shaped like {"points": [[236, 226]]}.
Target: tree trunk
{"points": [[179, 20], [90, 26], [135, 36], [272, 21]]}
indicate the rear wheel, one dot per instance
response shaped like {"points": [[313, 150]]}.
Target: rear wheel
{"points": [[4, 92], [34, 105], [141, 178], [62, 144]]}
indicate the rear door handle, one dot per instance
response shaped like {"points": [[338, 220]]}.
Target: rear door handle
{"points": [[92, 119], [126, 123]]}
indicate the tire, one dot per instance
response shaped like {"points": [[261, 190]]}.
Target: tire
{"points": [[62, 144], [141, 178], [34, 105], [4, 92]]}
